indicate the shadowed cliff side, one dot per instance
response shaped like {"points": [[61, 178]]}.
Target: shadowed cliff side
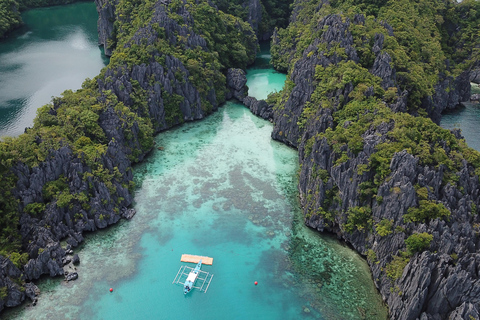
{"points": [[262, 15]]}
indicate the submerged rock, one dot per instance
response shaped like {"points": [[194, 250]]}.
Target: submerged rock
{"points": [[71, 276]]}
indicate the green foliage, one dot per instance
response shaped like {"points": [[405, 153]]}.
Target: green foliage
{"points": [[384, 227], [35, 208], [9, 16], [358, 218], [19, 259], [474, 208], [371, 256], [425, 34], [418, 242], [394, 269], [227, 35], [323, 175], [9, 216], [3, 293], [335, 77], [426, 210], [275, 13], [422, 193]]}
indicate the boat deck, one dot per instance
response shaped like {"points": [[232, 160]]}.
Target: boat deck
{"points": [[196, 259], [202, 282]]}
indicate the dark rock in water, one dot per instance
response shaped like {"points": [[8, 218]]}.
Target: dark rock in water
{"points": [[49, 261], [76, 259], [105, 25], [8, 273], [32, 292], [449, 93], [71, 276], [255, 17], [128, 213], [66, 260], [259, 107]]}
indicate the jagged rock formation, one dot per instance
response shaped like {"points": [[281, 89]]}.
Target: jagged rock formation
{"points": [[237, 82], [105, 24], [262, 15], [259, 108], [475, 76], [442, 282]]}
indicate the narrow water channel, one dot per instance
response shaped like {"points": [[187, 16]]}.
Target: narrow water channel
{"points": [[56, 50], [220, 187]]}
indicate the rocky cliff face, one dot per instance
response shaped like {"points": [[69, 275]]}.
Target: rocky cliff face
{"points": [[475, 76], [439, 283], [106, 24], [449, 92]]}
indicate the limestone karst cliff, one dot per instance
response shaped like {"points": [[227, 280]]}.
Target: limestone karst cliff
{"points": [[375, 169]]}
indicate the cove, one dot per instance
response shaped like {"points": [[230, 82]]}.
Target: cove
{"points": [[56, 50], [220, 187], [466, 118]]}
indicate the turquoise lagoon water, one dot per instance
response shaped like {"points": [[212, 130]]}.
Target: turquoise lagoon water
{"points": [[55, 50], [262, 78], [467, 119], [222, 188]]}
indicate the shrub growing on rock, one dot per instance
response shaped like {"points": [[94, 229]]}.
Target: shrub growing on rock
{"points": [[418, 242], [426, 210]]}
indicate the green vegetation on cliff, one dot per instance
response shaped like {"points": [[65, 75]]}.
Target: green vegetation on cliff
{"points": [[275, 13], [9, 16], [73, 120], [424, 35], [423, 43]]}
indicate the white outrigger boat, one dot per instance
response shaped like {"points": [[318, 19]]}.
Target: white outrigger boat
{"points": [[194, 275]]}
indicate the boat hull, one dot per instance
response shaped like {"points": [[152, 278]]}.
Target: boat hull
{"points": [[192, 277]]}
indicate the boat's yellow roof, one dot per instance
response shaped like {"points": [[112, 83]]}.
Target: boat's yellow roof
{"points": [[196, 259]]}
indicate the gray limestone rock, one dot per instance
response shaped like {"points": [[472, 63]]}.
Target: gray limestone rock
{"points": [[236, 83], [259, 108]]}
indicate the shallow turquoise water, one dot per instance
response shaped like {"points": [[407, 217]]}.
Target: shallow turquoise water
{"points": [[55, 51], [262, 78], [468, 120], [221, 187]]}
